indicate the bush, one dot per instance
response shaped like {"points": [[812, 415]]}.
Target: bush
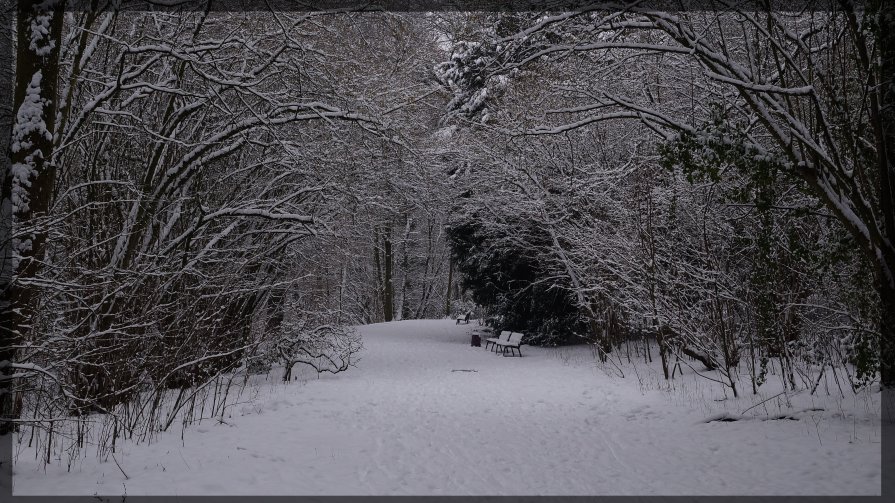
{"points": [[507, 281]]}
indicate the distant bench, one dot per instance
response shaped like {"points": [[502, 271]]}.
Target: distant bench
{"points": [[506, 340], [464, 318]]}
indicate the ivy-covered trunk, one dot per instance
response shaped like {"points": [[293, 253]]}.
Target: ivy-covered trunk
{"points": [[27, 186]]}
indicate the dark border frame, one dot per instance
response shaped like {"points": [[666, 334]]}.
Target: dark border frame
{"points": [[7, 15], [462, 5]]}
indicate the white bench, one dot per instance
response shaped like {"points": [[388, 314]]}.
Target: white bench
{"points": [[464, 319], [513, 343], [503, 337]]}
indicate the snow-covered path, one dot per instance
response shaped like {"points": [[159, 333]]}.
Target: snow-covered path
{"points": [[404, 423]]}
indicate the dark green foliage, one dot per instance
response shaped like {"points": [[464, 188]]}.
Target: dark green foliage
{"points": [[508, 281], [787, 253], [719, 146]]}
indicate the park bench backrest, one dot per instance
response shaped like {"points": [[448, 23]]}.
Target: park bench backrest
{"points": [[515, 338], [504, 336]]}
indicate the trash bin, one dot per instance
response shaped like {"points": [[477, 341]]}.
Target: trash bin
{"points": [[476, 340]]}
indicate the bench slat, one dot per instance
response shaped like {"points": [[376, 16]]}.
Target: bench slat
{"points": [[514, 342], [504, 337], [514, 339]]}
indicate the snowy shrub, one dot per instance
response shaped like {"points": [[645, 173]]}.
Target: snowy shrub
{"points": [[324, 347], [508, 281], [460, 307]]}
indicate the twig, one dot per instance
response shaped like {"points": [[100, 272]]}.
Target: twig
{"points": [[119, 466], [761, 402]]}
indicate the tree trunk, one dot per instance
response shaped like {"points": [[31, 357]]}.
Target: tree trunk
{"points": [[342, 286], [406, 286], [380, 285], [450, 280], [27, 187], [709, 364], [275, 311], [650, 245], [388, 293]]}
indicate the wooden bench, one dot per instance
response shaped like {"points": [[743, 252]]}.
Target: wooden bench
{"points": [[503, 337], [513, 343], [464, 319]]}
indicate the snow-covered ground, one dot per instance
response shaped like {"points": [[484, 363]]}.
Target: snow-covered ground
{"points": [[409, 420]]}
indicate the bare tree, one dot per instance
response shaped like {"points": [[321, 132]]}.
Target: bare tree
{"points": [[801, 88]]}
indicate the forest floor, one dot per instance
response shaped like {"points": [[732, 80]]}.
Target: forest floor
{"points": [[425, 413]]}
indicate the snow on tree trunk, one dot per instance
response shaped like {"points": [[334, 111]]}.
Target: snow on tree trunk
{"points": [[27, 188]]}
